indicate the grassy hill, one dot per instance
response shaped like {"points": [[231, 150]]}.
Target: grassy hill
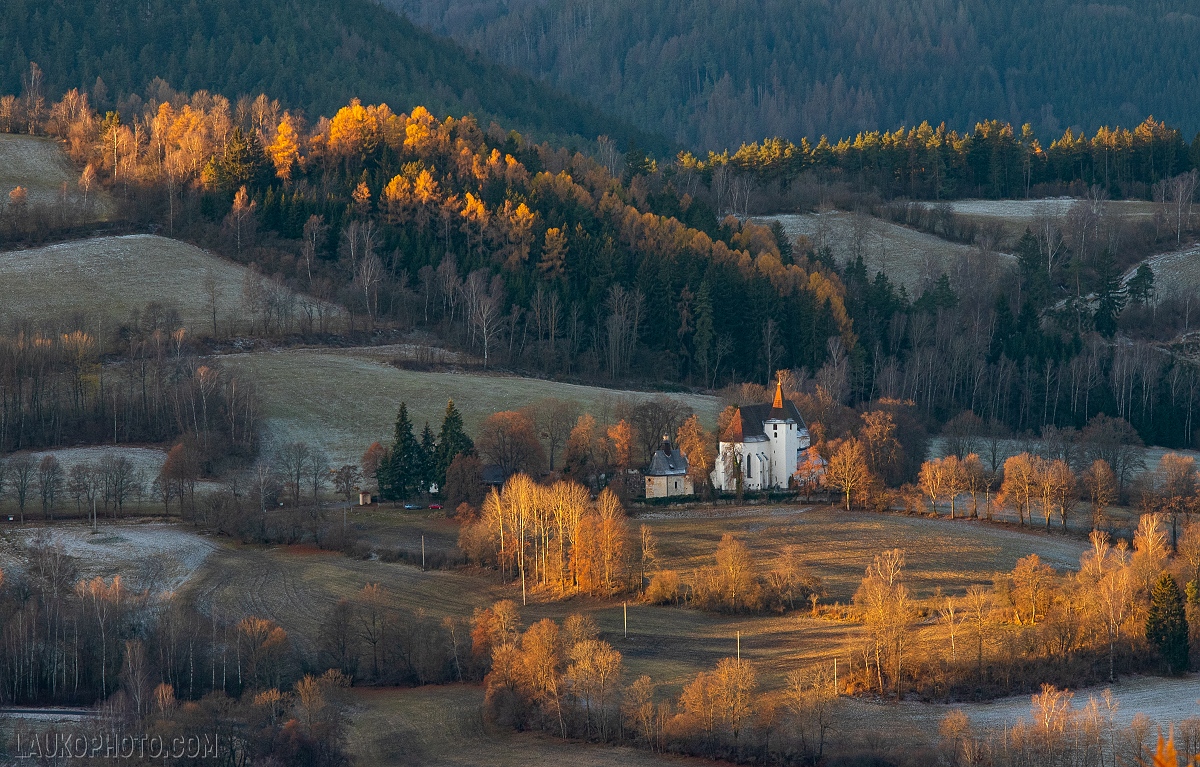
{"points": [[40, 166], [344, 401], [908, 257], [105, 279], [310, 54]]}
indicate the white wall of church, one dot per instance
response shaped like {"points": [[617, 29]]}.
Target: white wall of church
{"points": [[766, 463]]}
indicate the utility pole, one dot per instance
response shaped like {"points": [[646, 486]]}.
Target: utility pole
{"points": [[625, 605], [422, 553], [739, 646]]}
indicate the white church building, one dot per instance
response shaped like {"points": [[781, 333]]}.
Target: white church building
{"points": [[766, 443]]}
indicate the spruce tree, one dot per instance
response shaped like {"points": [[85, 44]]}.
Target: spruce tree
{"points": [[1035, 280], [1141, 286], [1110, 294], [702, 337], [1166, 625], [243, 162], [452, 441], [403, 461]]}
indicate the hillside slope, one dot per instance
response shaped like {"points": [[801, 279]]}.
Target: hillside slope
{"points": [[714, 73], [106, 279], [344, 400], [311, 54]]}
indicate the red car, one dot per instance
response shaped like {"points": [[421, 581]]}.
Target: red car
{"points": [[435, 505]]}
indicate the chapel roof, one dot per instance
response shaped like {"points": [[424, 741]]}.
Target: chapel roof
{"points": [[667, 462], [748, 420]]}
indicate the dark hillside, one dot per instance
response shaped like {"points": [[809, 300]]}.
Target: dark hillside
{"points": [[715, 73], [310, 54]]}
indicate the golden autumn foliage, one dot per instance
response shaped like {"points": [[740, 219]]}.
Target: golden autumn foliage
{"points": [[489, 198], [554, 252], [553, 537], [284, 151]]}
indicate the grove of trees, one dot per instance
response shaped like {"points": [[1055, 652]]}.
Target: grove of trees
{"points": [[153, 661]]}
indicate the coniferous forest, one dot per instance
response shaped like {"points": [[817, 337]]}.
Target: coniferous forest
{"points": [[713, 74], [313, 55]]}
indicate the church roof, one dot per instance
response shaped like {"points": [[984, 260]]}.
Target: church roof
{"points": [[747, 422], [667, 462]]}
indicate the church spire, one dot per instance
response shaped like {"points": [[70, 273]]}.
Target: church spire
{"points": [[778, 403]]}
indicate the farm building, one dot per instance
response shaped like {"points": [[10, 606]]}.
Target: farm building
{"points": [[667, 475], [494, 475], [764, 443]]}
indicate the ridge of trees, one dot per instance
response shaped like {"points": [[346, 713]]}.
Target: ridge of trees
{"points": [[994, 159], [712, 74], [75, 388], [521, 251], [309, 54]]}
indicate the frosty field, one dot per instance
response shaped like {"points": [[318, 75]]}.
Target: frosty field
{"points": [[910, 258], [39, 165], [106, 278], [345, 400]]}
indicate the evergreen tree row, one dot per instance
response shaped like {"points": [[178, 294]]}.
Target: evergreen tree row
{"points": [[410, 466]]}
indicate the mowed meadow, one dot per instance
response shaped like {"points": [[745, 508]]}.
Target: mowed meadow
{"points": [[910, 258], [106, 279], [40, 166], [343, 400], [296, 586]]}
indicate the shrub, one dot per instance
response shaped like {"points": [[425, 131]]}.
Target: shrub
{"points": [[665, 588]]}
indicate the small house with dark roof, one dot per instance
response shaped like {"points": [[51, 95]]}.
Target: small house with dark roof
{"points": [[764, 444], [668, 475], [493, 475]]}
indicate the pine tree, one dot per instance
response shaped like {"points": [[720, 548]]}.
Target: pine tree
{"points": [[702, 338], [1166, 625], [1005, 329], [1110, 294], [1034, 279], [554, 254], [1141, 285], [400, 472], [242, 163], [452, 441]]}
